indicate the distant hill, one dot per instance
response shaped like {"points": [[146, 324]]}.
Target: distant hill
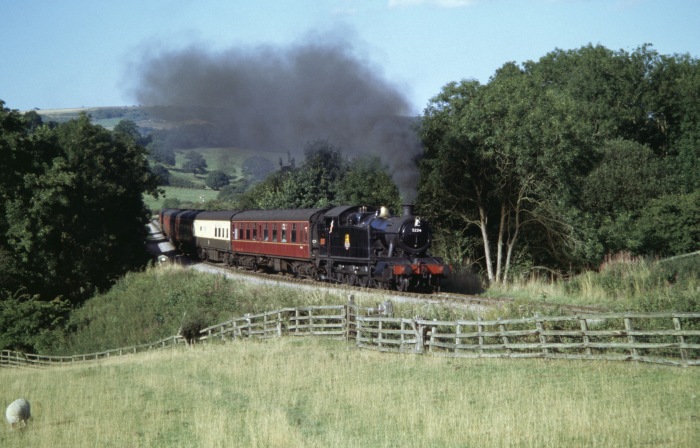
{"points": [[107, 116]]}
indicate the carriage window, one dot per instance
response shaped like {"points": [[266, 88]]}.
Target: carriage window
{"points": [[284, 233], [235, 231], [274, 232], [266, 236], [255, 231], [294, 233]]}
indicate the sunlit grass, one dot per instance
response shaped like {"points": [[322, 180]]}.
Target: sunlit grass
{"points": [[320, 393], [637, 285]]}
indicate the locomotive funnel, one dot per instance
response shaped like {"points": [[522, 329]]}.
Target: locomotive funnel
{"points": [[407, 209]]}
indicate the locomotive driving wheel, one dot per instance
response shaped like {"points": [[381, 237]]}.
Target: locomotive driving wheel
{"points": [[351, 279], [363, 281]]}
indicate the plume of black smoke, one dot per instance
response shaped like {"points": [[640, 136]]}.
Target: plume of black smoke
{"points": [[272, 98]]}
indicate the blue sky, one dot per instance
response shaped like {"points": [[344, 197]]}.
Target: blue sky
{"points": [[83, 53]]}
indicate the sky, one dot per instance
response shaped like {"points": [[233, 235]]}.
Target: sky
{"points": [[85, 53]]}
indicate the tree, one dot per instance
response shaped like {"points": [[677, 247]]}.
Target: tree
{"points": [[127, 129], [497, 158], [195, 163], [367, 181], [160, 152], [161, 174], [257, 167], [80, 216], [670, 225], [216, 180]]}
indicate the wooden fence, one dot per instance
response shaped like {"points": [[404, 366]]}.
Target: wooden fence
{"points": [[663, 338], [9, 358]]}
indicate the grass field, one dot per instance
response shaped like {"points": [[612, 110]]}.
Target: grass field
{"points": [[183, 194], [229, 160], [319, 393]]}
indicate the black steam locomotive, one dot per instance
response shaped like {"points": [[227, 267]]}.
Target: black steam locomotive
{"points": [[355, 245]]}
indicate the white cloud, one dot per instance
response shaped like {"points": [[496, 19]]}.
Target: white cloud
{"points": [[439, 3]]}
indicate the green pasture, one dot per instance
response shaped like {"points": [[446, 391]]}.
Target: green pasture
{"points": [[228, 160], [315, 392], [193, 195]]}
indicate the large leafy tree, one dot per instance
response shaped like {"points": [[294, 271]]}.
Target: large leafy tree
{"points": [[73, 214], [195, 163], [498, 158], [367, 181]]}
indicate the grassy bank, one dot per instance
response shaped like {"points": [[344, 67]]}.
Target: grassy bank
{"points": [[318, 393], [148, 306], [641, 285]]}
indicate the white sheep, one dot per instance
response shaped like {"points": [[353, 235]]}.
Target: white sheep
{"points": [[18, 412]]}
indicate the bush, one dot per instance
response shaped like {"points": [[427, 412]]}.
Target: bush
{"points": [[216, 180], [191, 326]]}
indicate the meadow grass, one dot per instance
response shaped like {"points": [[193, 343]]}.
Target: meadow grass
{"points": [[315, 392], [190, 195], [229, 160], [640, 285]]}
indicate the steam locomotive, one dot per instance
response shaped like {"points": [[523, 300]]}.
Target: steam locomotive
{"points": [[355, 245]]}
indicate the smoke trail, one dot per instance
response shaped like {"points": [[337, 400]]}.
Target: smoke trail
{"points": [[274, 98]]}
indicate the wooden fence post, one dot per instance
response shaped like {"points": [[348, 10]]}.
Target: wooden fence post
{"points": [[543, 338], [681, 339], [351, 318], [458, 340], [630, 338], [420, 339], [480, 332], [586, 338], [504, 338]]}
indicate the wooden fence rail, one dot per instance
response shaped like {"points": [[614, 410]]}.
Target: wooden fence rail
{"points": [[663, 338]]}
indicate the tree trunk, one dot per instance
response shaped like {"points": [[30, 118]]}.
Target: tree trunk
{"points": [[483, 221], [499, 247]]}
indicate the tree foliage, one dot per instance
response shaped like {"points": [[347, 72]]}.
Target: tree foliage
{"points": [[217, 179], [554, 162], [73, 217], [325, 178], [195, 163]]}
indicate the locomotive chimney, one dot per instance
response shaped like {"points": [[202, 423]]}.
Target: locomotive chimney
{"points": [[407, 209]]}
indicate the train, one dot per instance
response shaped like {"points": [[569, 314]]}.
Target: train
{"points": [[357, 245]]}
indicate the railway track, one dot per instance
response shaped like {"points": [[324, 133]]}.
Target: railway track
{"points": [[444, 297]]}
